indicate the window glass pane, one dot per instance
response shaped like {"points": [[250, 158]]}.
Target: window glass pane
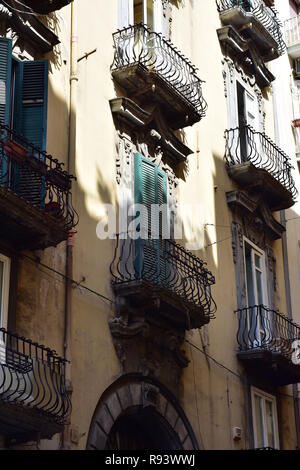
{"points": [[150, 14], [138, 11], [257, 261], [259, 286], [270, 423], [259, 421], [1, 290], [249, 277]]}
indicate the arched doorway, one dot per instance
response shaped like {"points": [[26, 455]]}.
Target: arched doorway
{"points": [[142, 429], [138, 413]]}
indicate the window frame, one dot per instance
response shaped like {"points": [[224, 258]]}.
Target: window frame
{"points": [[262, 254], [5, 290], [126, 14], [272, 398]]}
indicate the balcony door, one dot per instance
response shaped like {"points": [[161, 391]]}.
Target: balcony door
{"points": [[23, 108], [4, 298], [148, 12], [247, 116], [259, 326], [151, 248], [265, 421]]}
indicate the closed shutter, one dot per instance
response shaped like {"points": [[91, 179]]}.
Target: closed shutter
{"points": [[5, 92], [5, 79], [31, 107], [150, 188], [34, 105]]}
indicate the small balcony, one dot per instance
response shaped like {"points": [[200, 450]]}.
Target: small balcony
{"points": [[256, 21], [162, 278], [260, 167], [292, 36], [151, 69], [33, 398], [269, 345], [43, 7], [35, 195]]}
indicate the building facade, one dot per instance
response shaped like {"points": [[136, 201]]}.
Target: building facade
{"points": [[165, 271]]}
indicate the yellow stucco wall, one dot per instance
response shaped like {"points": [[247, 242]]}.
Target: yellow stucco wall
{"points": [[214, 399]]}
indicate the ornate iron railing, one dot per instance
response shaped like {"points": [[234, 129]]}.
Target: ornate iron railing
{"points": [[36, 177], [164, 264], [263, 328], [33, 376], [139, 45], [266, 15], [244, 144], [292, 31]]}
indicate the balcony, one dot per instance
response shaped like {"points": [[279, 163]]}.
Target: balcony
{"points": [[256, 21], [260, 167], [268, 345], [43, 7], [35, 195], [150, 69], [33, 398], [160, 277], [292, 36]]}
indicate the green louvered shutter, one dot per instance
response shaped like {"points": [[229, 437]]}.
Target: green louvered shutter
{"points": [[5, 92], [34, 105], [5, 79], [150, 188], [31, 107]]}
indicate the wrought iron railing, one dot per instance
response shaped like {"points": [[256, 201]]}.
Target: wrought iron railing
{"points": [[139, 45], [292, 31], [164, 264], [244, 144], [263, 328], [33, 376], [266, 15], [36, 177]]}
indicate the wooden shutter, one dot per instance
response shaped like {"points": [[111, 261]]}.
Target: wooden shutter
{"points": [[5, 79], [32, 119], [31, 107], [150, 187]]}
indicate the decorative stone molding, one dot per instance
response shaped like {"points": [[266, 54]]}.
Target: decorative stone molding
{"points": [[133, 394], [145, 346], [258, 220], [123, 156], [245, 57], [254, 220]]}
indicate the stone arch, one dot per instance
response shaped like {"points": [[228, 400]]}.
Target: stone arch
{"points": [[134, 393]]}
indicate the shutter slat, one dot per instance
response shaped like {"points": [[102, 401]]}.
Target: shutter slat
{"points": [[31, 121], [5, 78]]}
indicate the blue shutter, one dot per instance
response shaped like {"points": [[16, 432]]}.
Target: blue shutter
{"points": [[5, 79], [150, 187], [34, 105]]}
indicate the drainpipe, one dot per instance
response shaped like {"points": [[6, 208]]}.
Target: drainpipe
{"points": [[290, 316], [66, 438]]}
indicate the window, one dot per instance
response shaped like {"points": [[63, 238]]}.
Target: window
{"points": [[23, 95], [149, 12], [150, 190], [4, 289], [23, 107], [265, 422], [255, 275]]}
